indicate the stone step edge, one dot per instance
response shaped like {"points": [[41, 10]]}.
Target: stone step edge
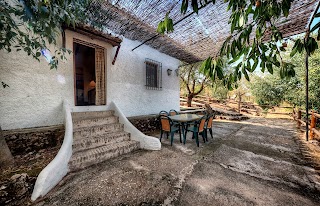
{"points": [[122, 132], [79, 147], [113, 140], [101, 149], [92, 113], [78, 119], [77, 166], [97, 118], [96, 126]]}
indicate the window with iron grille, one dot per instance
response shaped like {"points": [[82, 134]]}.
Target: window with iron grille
{"points": [[153, 74]]}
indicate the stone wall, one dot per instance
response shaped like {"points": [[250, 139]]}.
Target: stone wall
{"points": [[24, 141], [32, 149], [146, 123], [17, 190]]}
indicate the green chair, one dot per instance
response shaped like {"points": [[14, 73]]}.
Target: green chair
{"points": [[163, 113], [173, 112], [196, 129], [168, 126]]}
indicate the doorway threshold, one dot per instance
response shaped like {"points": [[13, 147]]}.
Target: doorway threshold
{"points": [[91, 108]]}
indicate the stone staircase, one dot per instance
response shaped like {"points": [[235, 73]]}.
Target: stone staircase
{"points": [[98, 136]]}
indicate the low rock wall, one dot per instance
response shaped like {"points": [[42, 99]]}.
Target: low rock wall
{"points": [[24, 141], [16, 190], [146, 123]]}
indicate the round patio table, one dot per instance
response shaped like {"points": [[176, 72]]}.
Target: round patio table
{"points": [[185, 118]]}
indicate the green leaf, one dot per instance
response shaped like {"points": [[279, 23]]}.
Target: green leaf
{"points": [[282, 49], [245, 74], [269, 67], [262, 64], [195, 7], [161, 28], [184, 6], [206, 65], [295, 47], [254, 65]]}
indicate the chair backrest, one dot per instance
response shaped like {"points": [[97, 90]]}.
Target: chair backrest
{"points": [[201, 112], [165, 123], [208, 108], [202, 122], [209, 121], [163, 113], [173, 112]]}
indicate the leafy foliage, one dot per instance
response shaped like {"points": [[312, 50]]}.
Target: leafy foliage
{"points": [[273, 90], [166, 25], [269, 90], [255, 39], [31, 25]]}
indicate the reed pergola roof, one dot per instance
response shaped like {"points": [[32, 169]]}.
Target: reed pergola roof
{"points": [[194, 38]]}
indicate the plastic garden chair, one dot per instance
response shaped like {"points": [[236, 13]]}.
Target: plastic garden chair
{"points": [[169, 127], [173, 112], [197, 128], [163, 113], [208, 125]]}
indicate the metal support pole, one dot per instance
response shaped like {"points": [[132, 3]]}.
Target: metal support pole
{"points": [[307, 68], [307, 95]]}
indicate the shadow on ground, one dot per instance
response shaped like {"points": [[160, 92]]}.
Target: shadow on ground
{"points": [[253, 162]]}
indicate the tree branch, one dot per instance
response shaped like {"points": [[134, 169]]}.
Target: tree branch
{"points": [[202, 87], [184, 81]]}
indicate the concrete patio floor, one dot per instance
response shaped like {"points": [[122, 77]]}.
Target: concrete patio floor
{"points": [[252, 162]]}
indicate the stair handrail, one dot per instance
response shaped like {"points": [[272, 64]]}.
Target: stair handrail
{"points": [[53, 173], [146, 142]]}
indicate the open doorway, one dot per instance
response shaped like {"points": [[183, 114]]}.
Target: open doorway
{"points": [[85, 82], [89, 77]]}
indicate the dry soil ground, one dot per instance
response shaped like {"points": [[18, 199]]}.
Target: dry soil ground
{"points": [[253, 162]]}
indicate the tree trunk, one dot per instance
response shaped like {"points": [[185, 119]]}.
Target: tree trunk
{"points": [[6, 158], [190, 96]]}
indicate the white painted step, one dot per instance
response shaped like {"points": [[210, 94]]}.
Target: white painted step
{"points": [[93, 121], [81, 115], [89, 157], [96, 130], [101, 140]]}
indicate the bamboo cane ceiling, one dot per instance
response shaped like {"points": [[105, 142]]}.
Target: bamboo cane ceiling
{"points": [[194, 38]]}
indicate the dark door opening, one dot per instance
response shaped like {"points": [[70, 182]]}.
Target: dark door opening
{"points": [[85, 78]]}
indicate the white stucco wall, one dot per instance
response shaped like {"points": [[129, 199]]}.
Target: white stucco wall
{"points": [[127, 78], [36, 93]]}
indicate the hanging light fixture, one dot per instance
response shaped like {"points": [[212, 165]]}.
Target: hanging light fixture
{"points": [[92, 84], [169, 71]]}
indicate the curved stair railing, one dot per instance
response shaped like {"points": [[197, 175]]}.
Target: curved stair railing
{"points": [[146, 142], [53, 173]]}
